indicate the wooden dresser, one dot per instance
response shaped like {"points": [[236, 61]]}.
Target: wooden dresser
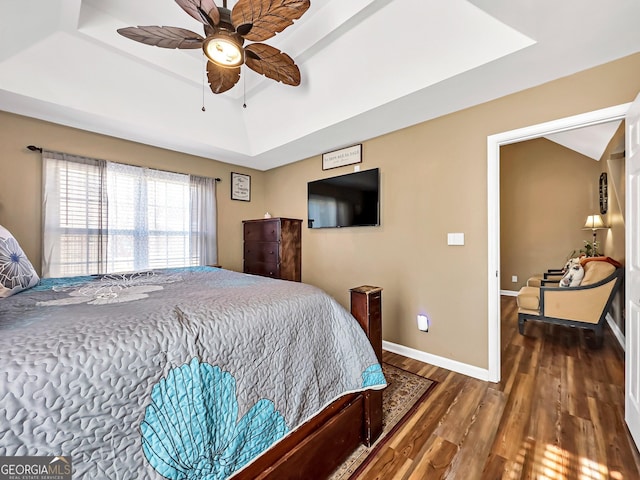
{"points": [[272, 248]]}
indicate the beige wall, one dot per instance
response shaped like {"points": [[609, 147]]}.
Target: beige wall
{"points": [[434, 181], [613, 163], [546, 193], [614, 160], [21, 177]]}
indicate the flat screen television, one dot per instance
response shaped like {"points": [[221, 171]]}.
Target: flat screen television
{"points": [[351, 200]]}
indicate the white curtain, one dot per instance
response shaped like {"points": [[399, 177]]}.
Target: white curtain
{"points": [[204, 221], [74, 215], [154, 219], [149, 219]]}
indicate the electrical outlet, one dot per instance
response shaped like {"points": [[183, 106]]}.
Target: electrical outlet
{"points": [[514, 278]]}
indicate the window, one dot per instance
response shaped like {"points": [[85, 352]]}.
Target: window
{"points": [[103, 217]]}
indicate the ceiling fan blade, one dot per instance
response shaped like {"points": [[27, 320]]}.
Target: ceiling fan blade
{"points": [[222, 79], [204, 11], [272, 63], [165, 37], [258, 20]]}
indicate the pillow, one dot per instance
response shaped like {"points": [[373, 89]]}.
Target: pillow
{"points": [[573, 277], [571, 262], [16, 271], [615, 263]]}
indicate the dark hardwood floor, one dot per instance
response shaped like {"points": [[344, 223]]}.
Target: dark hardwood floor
{"points": [[558, 413]]}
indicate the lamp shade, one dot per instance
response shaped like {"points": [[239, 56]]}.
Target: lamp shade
{"points": [[594, 222]]}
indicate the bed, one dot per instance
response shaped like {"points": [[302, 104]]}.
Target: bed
{"points": [[184, 373]]}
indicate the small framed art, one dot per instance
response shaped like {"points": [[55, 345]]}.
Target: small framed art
{"points": [[240, 187]]}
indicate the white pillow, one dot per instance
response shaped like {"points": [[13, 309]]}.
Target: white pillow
{"points": [[573, 277], [16, 271]]}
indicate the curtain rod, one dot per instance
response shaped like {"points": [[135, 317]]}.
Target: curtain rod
{"points": [[33, 148]]}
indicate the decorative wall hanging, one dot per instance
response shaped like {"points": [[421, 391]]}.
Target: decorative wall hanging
{"points": [[342, 157], [240, 187], [604, 194]]}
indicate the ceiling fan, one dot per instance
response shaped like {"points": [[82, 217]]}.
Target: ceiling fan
{"points": [[225, 33]]}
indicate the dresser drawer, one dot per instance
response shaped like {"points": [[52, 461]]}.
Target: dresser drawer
{"points": [[266, 252], [262, 268], [261, 231]]}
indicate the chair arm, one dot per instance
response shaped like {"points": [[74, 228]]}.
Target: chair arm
{"points": [[553, 276], [555, 271]]}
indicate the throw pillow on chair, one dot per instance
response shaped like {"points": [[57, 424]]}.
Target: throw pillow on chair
{"points": [[573, 277]]}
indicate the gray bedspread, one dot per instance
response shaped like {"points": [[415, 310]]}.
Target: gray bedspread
{"points": [[180, 373]]}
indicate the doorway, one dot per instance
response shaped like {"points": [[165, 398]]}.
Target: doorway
{"points": [[494, 142]]}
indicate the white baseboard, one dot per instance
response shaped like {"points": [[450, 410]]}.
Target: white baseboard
{"points": [[616, 330], [458, 367], [509, 293]]}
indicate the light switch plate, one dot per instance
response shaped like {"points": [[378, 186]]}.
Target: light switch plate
{"points": [[455, 239]]}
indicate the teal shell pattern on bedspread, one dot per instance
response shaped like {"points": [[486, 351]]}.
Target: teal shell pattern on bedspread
{"points": [[191, 428], [191, 432]]}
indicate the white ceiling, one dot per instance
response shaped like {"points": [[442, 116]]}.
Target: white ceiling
{"points": [[368, 67]]}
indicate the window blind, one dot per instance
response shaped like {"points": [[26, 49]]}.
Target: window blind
{"points": [[104, 217]]}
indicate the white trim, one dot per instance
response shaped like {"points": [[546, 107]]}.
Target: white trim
{"points": [[494, 142], [615, 329], [493, 259], [442, 362], [509, 293]]}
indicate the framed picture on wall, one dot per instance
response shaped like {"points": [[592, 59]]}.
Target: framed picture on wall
{"points": [[240, 187]]}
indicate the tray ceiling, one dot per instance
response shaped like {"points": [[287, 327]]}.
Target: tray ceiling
{"points": [[368, 67]]}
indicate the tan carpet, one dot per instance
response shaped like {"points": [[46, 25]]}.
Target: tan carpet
{"points": [[405, 390]]}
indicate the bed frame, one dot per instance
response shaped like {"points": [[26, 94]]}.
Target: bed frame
{"points": [[319, 446]]}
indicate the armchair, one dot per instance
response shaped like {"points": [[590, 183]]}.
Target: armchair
{"points": [[585, 306]]}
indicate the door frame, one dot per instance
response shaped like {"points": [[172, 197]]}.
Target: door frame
{"points": [[494, 142]]}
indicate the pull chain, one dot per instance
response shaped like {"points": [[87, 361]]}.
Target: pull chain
{"points": [[204, 74], [244, 93]]}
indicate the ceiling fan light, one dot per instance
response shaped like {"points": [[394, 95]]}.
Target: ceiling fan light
{"points": [[223, 51]]}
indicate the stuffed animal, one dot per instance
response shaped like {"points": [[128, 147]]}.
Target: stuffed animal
{"points": [[573, 277], [571, 262]]}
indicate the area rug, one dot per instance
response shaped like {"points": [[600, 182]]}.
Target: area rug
{"points": [[403, 394]]}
